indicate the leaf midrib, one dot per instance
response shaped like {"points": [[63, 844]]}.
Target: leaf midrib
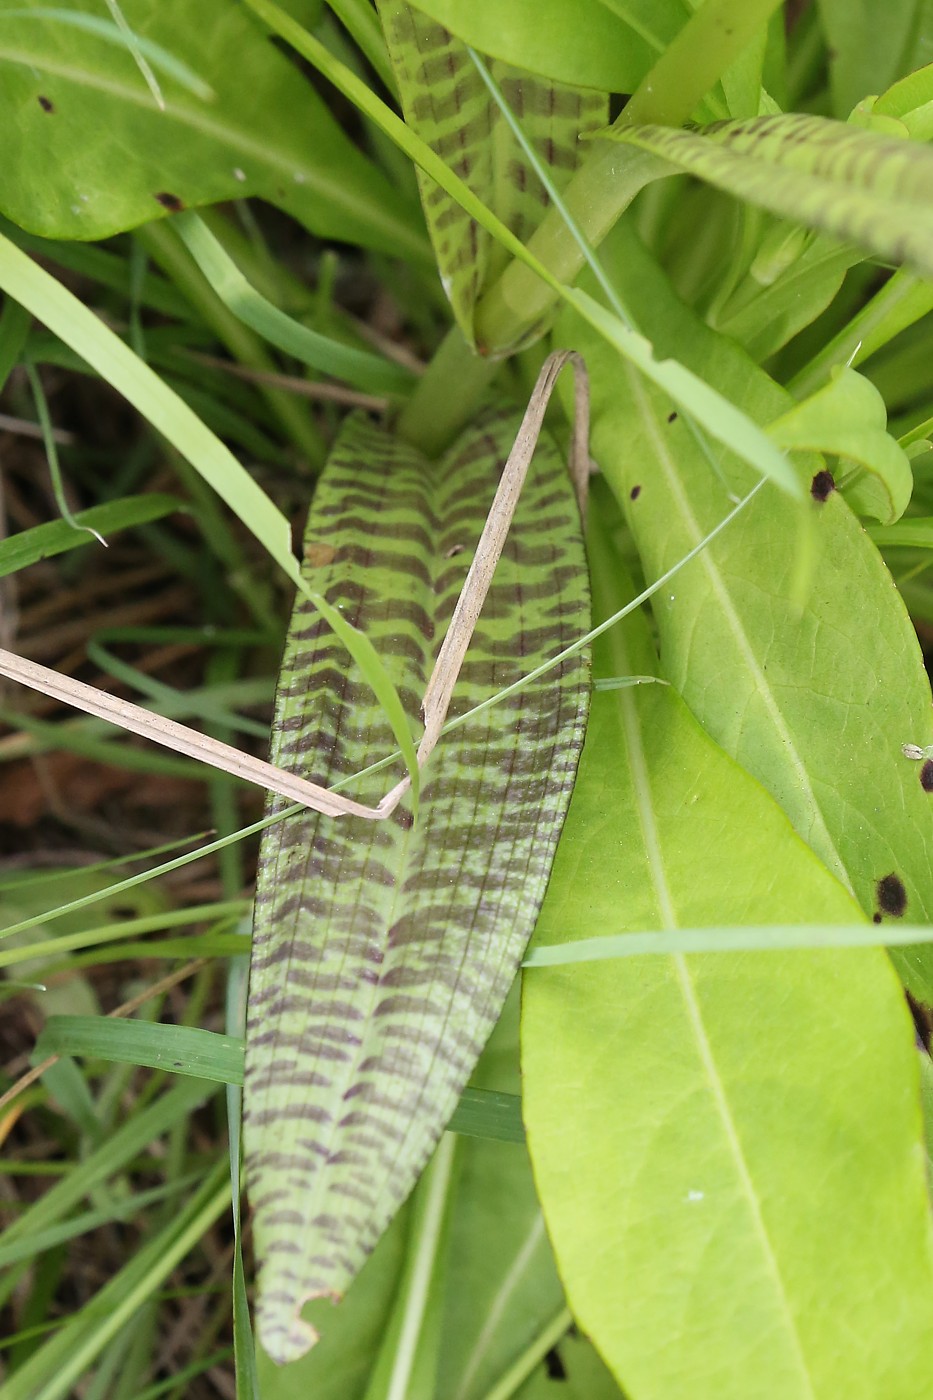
{"points": [[644, 807], [824, 845]]}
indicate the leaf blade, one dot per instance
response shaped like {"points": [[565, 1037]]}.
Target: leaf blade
{"points": [[383, 952]]}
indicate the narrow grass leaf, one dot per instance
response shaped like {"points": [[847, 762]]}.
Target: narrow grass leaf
{"points": [[180, 1049], [58, 536], [377, 970], [78, 327], [751, 938], [51, 1373], [320, 352], [125, 1142]]}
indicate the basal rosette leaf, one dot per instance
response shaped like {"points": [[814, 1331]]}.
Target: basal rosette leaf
{"points": [[89, 152], [447, 103], [383, 950]]}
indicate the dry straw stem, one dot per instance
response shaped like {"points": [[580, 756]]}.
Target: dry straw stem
{"points": [[193, 744]]}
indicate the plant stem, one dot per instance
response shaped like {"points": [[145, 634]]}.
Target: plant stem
{"points": [[447, 395]]}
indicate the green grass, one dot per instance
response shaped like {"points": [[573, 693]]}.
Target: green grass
{"points": [[184, 378]]}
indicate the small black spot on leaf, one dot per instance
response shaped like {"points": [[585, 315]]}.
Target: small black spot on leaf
{"points": [[926, 776], [891, 896], [46, 104], [822, 485], [672, 417], [635, 493], [170, 201], [554, 1366], [876, 918]]}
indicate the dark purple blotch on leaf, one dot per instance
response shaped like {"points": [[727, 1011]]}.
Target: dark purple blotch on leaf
{"points": [[46, 104], [170, 201], [822, 486], [635, 493], [891, 896], [926, 776], [672, 417]]}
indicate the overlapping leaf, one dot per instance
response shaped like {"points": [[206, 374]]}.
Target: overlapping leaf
{"points": [[601, 45], [88, 151], [854, 184], [814, 695], [726, 1146], [383, 951], [449, 106]]}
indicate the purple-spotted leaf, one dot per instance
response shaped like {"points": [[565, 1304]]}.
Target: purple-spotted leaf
{"points": [[383, 951], [447, 103]]}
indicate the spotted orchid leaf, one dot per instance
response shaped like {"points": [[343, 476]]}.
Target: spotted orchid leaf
{"points": [[861, 186], [447, 103], [383, 951]]}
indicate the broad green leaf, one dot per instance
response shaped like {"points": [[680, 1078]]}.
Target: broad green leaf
{"points": [[853, 184], [500, 1286], [57, 536], [910, 102], [866, 55], [814, 695], [719, 1140], [447, 103], [609, 46], [383, 951], [82, 111], [848, 419]]}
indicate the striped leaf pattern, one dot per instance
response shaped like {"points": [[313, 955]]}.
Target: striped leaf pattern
{"points": [[446, 102], [383, 950], [866, 188]]}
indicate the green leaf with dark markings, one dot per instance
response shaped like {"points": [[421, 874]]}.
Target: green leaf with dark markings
{"points": [[383, 951], [857, 185], [447, 103]]}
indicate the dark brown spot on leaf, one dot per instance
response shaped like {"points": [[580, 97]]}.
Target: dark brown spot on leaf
{"points": [[635, 493], [672, 417], [876, 918], [46, 104], [170, 201], [926, 776], [891, 896], [554, 1366], [822, 485]]}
